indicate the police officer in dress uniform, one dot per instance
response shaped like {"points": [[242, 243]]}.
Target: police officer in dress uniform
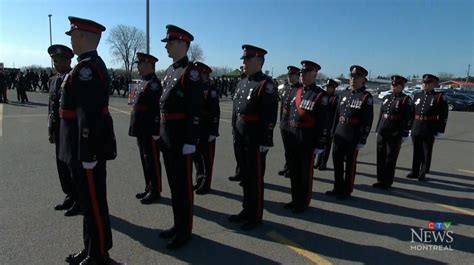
{"points": [[87, 138], [393, 126], [237, 176], [293, 83], [145, 126], [61, 56], [180, 111], [431, 116], [253, 119], [308, 114], [322, 159], [352, 124], [208, 132]]}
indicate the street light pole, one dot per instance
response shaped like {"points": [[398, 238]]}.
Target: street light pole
{"points": [[50, 36], [148, 26]]}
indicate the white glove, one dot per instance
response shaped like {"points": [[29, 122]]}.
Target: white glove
{"points": [[188, 149], [318, 151], [89, 165], [211, 138], [439, 135], [360, 146], [409, 133], [155, 137], [264, 148]]}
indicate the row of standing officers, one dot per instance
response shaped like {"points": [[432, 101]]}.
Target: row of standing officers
{"points": [[179, 117]]}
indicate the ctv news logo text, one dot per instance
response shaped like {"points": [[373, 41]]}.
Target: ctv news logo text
{"points": [[436, 237]]}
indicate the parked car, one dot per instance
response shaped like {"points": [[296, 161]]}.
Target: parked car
{"points": [[459, 102]]}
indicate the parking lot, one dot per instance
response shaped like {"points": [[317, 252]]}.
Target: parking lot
{"points": [[373, 227]]}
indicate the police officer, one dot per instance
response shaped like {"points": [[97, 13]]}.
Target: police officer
{"points": [[352, 124], [253, 119], [208, 132], [393, 126], [180, 112], [87, 138], [293, 83], [145, 126], [307, 134], [431, 116], [322, 159], [61, 56], [3, 87]]}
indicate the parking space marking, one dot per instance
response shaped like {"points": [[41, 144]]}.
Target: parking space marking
{"points": [[467, 171], [313, 257], [446, 206]]}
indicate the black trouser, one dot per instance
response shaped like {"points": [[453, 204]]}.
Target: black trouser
{"points": [[3, 94], [204, 161], [237, 156], [324, 156], [65, 177], [284, 138], [21, 94], [252, 170], [344, 176], [179, 171], [300, 164], [150, 157], [92, 197], [422, 151], [388, 148]]}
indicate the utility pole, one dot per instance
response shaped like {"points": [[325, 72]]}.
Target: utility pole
{"points": [[50, 37], [148, 26], [468, 69]]}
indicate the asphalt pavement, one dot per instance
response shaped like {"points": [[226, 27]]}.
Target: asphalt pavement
{"points": [[373, 227]]}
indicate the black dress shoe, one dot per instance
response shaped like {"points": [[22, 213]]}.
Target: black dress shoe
{"points": [[77, 257], [177, 242], [282, 172], [299, 209], [202, 191], [150, 198], [73, 211], [95, 261], [422, 177], [411, 176], [68, 202], [237, 218], [289, 205], [378, 185], [141, 195], [249, 226], [168, 233], [332, 193], [323, 167], [234, 178], [343, 196]]}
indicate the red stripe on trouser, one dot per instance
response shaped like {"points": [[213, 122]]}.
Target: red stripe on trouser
{"points": [[259, 188], [189, 179], [157, 164], [310, 180], [353, 172], [212, 149], [95, 210]]}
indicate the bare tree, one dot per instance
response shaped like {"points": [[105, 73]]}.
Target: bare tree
{"points": [[445, 76], [125, 42], [195, 53], [218, 70]]}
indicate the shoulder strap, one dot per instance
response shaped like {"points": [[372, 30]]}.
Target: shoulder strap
{"points": [[261, 86], [183, 75]]}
